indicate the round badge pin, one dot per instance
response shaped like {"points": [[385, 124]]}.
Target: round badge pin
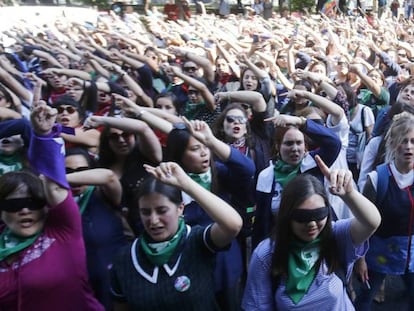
{"points": [[182, 283]]}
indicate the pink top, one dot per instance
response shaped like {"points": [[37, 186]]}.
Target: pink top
{"points": [[50, 274]]}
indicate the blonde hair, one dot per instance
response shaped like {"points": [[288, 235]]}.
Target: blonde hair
{"points": [[402, 124]]}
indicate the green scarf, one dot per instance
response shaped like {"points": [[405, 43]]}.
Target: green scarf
{"points": [[10, 163], [83, 199], [203, 179], [160, 253], [11, 243], [301, 268], [284, 172]]}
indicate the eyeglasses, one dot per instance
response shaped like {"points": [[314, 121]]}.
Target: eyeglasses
{"points": [[193, 92], [16, 205], [69, 109], [190, 69], [74, 170], [342, 63], [116, 136], [239, 119], [402, 54]]}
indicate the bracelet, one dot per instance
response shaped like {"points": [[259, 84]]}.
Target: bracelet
{"points": [[139, 114]]}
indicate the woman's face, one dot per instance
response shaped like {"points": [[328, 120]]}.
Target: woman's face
{"points": [[68, 115], [159, 216], [196, 157], [406, 95], [121, 142], [166, 104], [404, 157], [194, 95], [57, 81], [10, 145], [250, 82], [342, 67], [292, 148], [281, 60], [320, 69], [309, 231], [376, 77], [63, 60], [234, 125], [75, 91], [76, 163], [222, 67], [25, 222]]}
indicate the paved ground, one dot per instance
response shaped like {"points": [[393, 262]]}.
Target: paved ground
{"points": [[395, 298]]}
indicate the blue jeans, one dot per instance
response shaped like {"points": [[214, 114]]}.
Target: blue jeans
{"points": [[365, 297]]}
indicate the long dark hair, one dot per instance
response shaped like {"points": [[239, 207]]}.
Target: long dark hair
{"points": [[282, 233], [9, 182], [153, 185], [177, 142], [259, 85], [218, 124], [107, 156]]}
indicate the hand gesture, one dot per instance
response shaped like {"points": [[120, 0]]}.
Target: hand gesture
{"points": [[43, 118], [296, 94], [340, 180], [93, 122], [170, 173], [220, 97], [200, 130], [129, 108], [242, 58], [284, 120]]}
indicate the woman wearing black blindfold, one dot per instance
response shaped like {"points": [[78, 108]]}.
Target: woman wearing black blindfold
{"points": [[308, 258], [42, 255]]}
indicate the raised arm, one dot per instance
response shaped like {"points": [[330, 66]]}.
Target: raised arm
{"points": [[46, 156], [147, 140], [366, 215], [105, 178], [227, 222]]}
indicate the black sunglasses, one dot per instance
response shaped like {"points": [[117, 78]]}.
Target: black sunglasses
{"points": [[69, 109], [74, 170], [190, 69], [239, 119], [16, 205], [116, 136]]}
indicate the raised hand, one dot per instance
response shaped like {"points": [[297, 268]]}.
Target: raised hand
{"points": [[200, 130], [340, 180], [284, 120], [43, 118], [170, 173]]}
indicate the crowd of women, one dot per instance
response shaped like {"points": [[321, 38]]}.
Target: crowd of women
{"points": [[213, 164]]}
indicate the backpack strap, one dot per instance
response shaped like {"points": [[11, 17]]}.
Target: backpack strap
{"points": [[383, 173]]}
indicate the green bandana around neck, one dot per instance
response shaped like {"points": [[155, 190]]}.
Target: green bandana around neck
{"points": [[159, 253], [11, 243], [203, 179], [284, 172], [84, 198], [301, 268]]}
